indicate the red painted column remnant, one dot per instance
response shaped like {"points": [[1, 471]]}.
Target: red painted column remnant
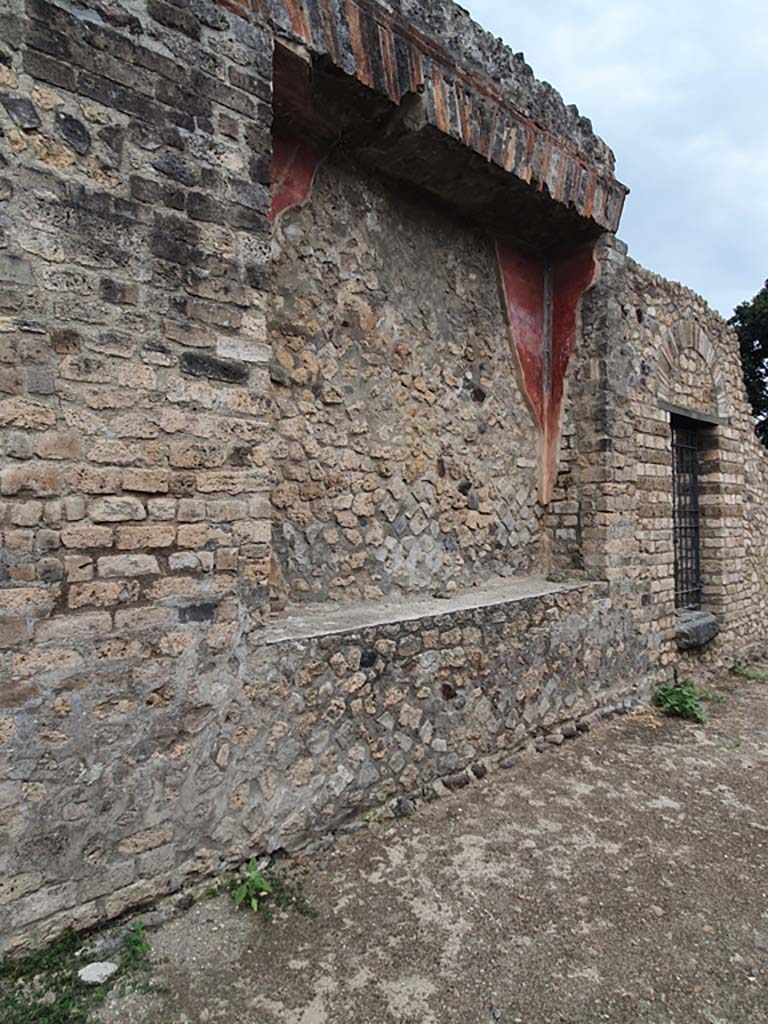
{"points": [[294, 165], [541, 301]]}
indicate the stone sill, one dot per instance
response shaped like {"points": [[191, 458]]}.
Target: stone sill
{"points": [[332, 618]]}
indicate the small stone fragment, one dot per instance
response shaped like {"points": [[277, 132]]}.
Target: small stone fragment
{"points": [[404, 807], [479, 770], [511, 761], [457, 781], [97, 973], [352, 827]]}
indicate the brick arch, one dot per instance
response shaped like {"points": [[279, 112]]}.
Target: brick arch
{"points": [[687, 350]]}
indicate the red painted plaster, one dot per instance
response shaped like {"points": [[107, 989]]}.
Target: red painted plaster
{"points": [[294, 166], [571, 277], [544, 344], [522, 281]]}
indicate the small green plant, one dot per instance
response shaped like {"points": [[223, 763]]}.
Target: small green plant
{"points": [[681, 701], [254, 889], [262, 891], [135, 946], [740, 669], [711, 697]]}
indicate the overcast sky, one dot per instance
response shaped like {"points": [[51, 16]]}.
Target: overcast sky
{"points": [[679, 90]]}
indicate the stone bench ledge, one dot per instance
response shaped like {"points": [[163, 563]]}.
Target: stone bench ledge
{"points": [[308, 621]]}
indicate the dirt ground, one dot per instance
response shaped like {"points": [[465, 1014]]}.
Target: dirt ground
{"points": [[621, 877]]}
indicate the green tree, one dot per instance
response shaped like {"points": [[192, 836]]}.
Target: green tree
{"points": [[751, 322]]}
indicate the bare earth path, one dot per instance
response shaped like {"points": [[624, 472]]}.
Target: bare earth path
{"points": [[622, 877]]}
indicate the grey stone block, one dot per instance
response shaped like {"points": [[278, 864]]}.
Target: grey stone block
{"points": [[695, 629]]}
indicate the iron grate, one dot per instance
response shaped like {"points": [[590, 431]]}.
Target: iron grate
{"points": [[686, 513]]}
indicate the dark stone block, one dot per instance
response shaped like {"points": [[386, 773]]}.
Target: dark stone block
{"points": [[111, 94], [197, 613], [695, 629], [172, 167], [243, 219], [174, 17], [74, 133], [202, 207], [43, 37], [21, 111], [182, 99], [250, 84], [260, 169], [146, 191], [198, 364], [511, 761], [114, 138], [175, 239]]}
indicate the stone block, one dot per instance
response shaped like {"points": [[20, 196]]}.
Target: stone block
{"points": [[147, 481], [116, 509], [84, 626], [127, 565], [87, 536], [156, 535], [695, 629], [24, 414], [36, 479], [26, 602]]}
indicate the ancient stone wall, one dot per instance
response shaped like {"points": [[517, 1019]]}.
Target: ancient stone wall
{"points": [[123, 784], [268, 489], [666, 349], [406, 455], [134, 504]]}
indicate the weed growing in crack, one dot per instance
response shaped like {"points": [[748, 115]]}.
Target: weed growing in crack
{"points": [[740, 669], [681, 700], [711, 697], [136, 948], [265, 889]]}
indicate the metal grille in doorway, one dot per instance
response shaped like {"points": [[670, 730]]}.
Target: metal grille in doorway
{"points": [[686, 513]]}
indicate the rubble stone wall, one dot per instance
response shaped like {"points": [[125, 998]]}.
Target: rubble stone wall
{"points": [[127, 780], [405, 455]]}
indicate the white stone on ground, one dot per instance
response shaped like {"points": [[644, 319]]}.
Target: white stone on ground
{"points": [[97, 973]]}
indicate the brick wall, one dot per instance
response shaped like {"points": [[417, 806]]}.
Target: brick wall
{"points": [[661, 344], [134, 393]]}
